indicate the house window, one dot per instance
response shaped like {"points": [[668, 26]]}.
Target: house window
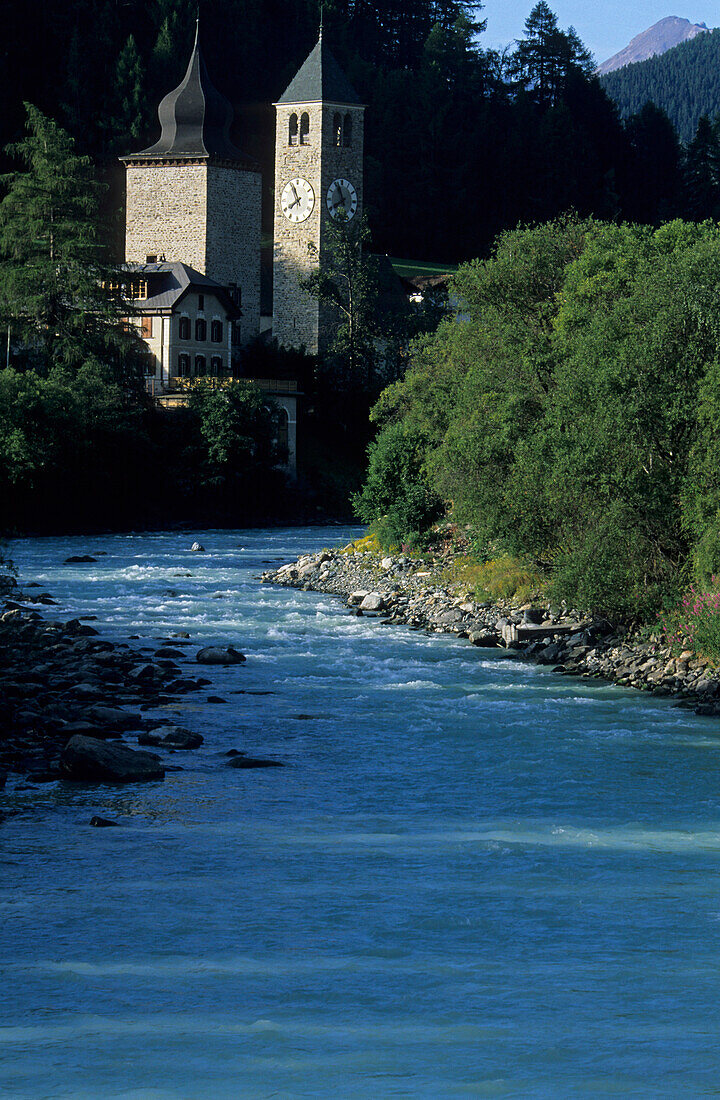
{"points": [[304, 128], [337, 129], [149, 365], [200, 366], [184, 328], [201, 302], [200, 330], [293, 130], [146, 327], [216, 332], [216, 366], [183, 366], [347, 132], [236, 335]]}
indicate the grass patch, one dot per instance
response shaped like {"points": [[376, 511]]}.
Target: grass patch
{"points": [[503, 578], [407, 269], [366, 544]]}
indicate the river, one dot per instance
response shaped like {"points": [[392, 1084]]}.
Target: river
{"points": [[472, 878]]}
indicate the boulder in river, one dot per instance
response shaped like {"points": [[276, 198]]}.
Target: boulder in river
{"points": [[220, 655], [372, 602], [88, 760], [177, 737], [253, 762], [79, 559], [102, 822], [197, 548]]}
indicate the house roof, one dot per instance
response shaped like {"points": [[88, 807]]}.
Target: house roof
{"points": [[320, 79], [195, 120], [169, 282]]}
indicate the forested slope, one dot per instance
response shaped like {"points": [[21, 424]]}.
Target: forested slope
{"points": [[684, 82]]}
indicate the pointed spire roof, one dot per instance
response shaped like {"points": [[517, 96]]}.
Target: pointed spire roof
{"points": [[195, 119], [320, 80]]}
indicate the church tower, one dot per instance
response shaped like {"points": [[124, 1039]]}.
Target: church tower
{"points": [[194, 197], [318, 171]]}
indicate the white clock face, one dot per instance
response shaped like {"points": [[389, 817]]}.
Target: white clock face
{"points": [[297, 200], [342, 196]]}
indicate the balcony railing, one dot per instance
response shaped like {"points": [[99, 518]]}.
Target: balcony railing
{"points": [[156, 387]]}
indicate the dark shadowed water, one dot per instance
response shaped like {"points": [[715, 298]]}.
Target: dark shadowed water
{"points": [[473, 878]]}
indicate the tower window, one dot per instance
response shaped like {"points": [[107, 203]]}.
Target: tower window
{"points": [[200, 330], [337, 129], [201, 302], [347, 132], [304, 128], [183, 366], [200, 366], [184, 328], [293, 130], [152, 259], [216, 332]]}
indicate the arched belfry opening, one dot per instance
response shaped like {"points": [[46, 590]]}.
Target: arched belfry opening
{"points": [[304, 128], [347, 131], [293, 129]]}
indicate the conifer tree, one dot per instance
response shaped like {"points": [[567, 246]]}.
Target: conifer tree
{"points": [[129, 120], [52, 271]]}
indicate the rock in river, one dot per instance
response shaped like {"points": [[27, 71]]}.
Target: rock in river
{"points": [[253, 762], [87, 760], [220, 655], [197, 548]]}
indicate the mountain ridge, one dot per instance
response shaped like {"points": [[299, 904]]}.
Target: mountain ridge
{"points": [[656, 40]]}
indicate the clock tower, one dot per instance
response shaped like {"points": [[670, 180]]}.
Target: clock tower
{"points": [[318, 172]]}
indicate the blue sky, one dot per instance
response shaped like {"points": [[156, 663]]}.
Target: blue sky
{"points": [[604, 26]]}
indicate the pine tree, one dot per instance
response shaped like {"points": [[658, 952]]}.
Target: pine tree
{"points": [[129, 117], [702, 167], [52, 271]]}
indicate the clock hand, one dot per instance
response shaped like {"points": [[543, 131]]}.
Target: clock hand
{"points": [[292, 186]]}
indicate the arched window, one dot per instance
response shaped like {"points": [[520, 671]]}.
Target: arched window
{"points": [[304, 128], [337, 129], [184, 328], [200, 366], [216, 332], [283, 432], [183, 366], [200, 330], [293, 130], [347, 131], [216, 366]]}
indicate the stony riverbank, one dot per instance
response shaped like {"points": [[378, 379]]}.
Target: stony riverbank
{"points": [[400, 590], [69, 698]]}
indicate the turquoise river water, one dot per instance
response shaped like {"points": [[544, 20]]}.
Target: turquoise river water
{"points": [[472, 878]]}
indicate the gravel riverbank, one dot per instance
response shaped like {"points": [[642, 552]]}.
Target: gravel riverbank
{"points": [[69, 698], [400, 590]]}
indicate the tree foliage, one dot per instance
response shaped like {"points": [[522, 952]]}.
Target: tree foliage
{"points": [[569, 411]]}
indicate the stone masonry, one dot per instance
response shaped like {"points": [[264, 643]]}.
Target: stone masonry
{"points": [[298, 320], [204, 214]]}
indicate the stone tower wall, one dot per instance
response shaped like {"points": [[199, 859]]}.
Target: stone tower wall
{"points": [[205, 215], [166, 213], [297, 318], [233, 238]]}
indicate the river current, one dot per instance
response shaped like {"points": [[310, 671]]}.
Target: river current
{"points": [[472, 878]]}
